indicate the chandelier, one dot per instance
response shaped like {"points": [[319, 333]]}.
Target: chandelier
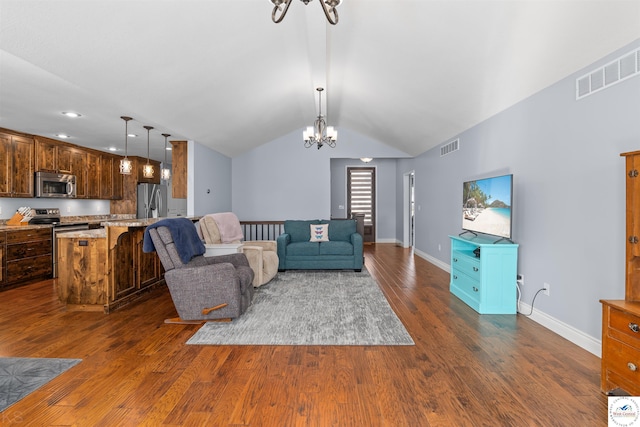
{"points": [[320, 133], [328, 6]]}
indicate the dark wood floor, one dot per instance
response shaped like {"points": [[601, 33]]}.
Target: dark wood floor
{"points": [[465, 369]]}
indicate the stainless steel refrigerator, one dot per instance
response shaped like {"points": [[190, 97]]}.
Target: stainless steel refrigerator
{"points": [[152, 201]]}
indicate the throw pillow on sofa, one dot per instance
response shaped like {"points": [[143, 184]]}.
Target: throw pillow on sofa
{"points": [[319, 232]]}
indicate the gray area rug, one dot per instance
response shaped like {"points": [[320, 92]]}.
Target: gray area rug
{"points": [[312, 308], [20, 376]]}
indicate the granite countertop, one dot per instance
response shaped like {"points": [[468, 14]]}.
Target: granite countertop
{"points": [[97, 233], [137, 222], [104, 220]]}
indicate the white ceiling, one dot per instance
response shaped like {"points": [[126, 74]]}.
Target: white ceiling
{"points": [[411, 74]]}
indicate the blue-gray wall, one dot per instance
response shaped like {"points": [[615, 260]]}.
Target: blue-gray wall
{"points": [[209, 180], [283, 180], [385, 194], [569, 197]]}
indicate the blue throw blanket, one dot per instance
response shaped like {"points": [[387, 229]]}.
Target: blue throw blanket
{"points": [[184, 234]]}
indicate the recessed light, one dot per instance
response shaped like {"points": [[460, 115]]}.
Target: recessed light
{"points": [[62, 135], [168, 148], [71, 114], [112, 149], [132, 135]]}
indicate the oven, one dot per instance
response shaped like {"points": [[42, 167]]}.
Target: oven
{"points": [[55, 185], [52, 216]]}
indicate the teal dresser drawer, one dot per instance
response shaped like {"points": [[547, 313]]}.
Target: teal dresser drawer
{"points": [[466, 264], [465, 288]]}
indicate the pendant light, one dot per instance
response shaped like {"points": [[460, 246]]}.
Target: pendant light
{"points": [[147, 170], [166, 172], [125, 164]]}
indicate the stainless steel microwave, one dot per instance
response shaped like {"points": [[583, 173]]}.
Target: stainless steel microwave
{"points": [[49, 184]]}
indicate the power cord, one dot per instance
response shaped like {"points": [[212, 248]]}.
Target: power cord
{"points": [[532, 301]]}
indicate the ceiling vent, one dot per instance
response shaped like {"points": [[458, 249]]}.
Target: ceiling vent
{"points": [[622, 68], [449, 147]]}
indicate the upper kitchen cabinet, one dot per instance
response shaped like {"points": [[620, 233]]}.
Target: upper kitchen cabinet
{"points": [[111, 179], [16, 165], [179, 172]]}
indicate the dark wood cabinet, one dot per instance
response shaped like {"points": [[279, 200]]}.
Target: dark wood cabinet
{"points": [[16, 163], [3, 237], [621, 318], [122, 266], [93, 175], [78, 166], [179, 169], [110, 177], [28, 255], [108, 271], [148, 271], [46, 155]]}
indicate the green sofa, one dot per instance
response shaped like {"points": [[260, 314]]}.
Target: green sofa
{"points": [[342, 251]]}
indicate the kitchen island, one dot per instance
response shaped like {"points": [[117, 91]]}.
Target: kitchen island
{"points": [[104, 269]]}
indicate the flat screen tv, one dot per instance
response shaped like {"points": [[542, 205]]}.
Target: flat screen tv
{"points": [[486, 206]]}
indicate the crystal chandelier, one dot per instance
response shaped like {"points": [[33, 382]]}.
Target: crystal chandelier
{"points": [[147, 170], [328, 6], [320, 133], [125, 164], [166, 172]]}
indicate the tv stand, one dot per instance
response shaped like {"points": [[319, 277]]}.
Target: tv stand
{"points": [[486, 283]]}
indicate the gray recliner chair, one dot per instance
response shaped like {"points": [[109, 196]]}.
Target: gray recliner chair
{"points": [[205, 288]]}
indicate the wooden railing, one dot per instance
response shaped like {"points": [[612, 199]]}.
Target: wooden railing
{"points": [[262, 230]]}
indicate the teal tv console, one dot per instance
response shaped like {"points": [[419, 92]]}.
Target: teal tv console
{"points": [[486, 283]]}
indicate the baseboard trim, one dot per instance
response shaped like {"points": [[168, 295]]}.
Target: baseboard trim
{"points": [[579, 338], [568, 332]]}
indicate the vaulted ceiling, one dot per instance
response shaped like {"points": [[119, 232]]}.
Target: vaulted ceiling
{"points": [[411, 74]]}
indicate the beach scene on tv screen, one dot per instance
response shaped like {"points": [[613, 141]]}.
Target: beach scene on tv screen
{"points": [[486, 206]]}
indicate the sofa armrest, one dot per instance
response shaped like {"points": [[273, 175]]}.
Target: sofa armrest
{"points": [[267, 245], [282, 241], [357, 242]]}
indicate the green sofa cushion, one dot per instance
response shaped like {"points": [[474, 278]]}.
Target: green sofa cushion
{"points": [[336, 248], [341, 229], [299, 230]]}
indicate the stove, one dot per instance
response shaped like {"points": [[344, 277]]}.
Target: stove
{"points": [[45, 216]]}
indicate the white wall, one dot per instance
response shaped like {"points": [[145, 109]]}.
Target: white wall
{"points": [[569, 199]]}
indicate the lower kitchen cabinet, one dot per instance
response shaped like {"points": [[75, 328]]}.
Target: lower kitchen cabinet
{"points": [[105, 269], [27, 255]]}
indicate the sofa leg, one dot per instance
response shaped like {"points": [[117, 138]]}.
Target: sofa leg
{"points": [[357, 270], [281, 271]]}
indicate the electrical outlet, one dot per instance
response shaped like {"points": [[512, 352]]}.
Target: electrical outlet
{"points": [[520, 279], [0, 209], [439, 248], [68, 209], [547, 289]]}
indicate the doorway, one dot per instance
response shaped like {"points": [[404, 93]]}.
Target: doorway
{"points": [[408, 216], [361, 198]]}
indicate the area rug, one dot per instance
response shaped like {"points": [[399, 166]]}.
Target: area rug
{"points": [[21, 376], [312, 308]]}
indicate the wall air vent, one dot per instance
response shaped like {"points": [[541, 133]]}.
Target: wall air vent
{"points": [[449, 147], [628, 65]]}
